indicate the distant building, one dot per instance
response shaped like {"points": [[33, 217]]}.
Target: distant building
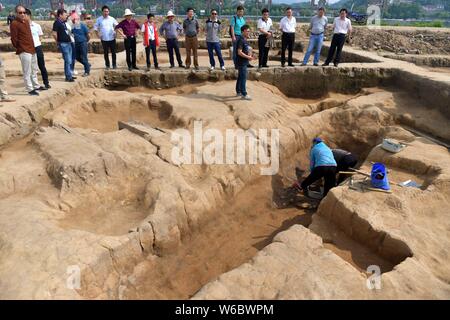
{"points": [[403, 1], [433, 7]]}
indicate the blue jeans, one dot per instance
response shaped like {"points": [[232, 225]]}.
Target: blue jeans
{"points": [[66, 50], [235, 50], [315, 41], [215, 46], [241, 83], [81, 54]]}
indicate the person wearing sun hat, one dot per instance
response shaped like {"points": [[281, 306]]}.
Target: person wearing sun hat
{"points": [[129, 29], [171, 30], [322, 165]]}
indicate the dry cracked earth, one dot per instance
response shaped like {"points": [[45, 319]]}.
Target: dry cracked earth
{"points": [[93, 189]]}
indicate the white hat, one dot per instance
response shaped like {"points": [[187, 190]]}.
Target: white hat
{"points": [[128, 13], [170, 14]]}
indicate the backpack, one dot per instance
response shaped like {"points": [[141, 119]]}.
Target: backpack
{"points": [[379, 177], [229, 31]]}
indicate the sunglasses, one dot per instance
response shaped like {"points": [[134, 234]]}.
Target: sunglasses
{"points": [[21, 12], [214, 14]]}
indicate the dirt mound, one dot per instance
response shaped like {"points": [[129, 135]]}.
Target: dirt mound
{"points": [[402, 41]]}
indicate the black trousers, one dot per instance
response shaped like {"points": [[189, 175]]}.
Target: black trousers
{"points": [[263, 51], [329, 175], [287, 42], [347, 162], [130, 51], [172, 45], [41, 64], [337, 43], [109, 46], [152, 48]]}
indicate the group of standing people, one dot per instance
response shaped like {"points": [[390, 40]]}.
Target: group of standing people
{"points": [[72, 37], [342, 28]]}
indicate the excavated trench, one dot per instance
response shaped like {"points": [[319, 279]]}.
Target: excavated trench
{"points": [[248, 221], [110, 192]]}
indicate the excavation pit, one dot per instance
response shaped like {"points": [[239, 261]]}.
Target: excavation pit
{"points": [[151, 228]]}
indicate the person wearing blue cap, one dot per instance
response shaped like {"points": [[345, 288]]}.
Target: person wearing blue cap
{"points": [[322, 165]]}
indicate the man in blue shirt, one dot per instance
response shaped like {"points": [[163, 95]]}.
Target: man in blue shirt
{"points": [[322, 165], [81, 33], [170, 30], [236, 23]]}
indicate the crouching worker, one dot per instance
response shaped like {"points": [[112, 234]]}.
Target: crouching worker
{"points": [[322, 165], [344, 160]]}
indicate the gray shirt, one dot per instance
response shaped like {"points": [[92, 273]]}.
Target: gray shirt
{"points": [[213, 29], [318, 25], [190, 27], [170, 30]]}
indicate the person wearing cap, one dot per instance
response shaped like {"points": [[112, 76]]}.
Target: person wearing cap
{"points": [[322, 165], [104, 26], [191, 28], [317, 26], [36, 32], [170, 30], [151, 40], [129, 29]]}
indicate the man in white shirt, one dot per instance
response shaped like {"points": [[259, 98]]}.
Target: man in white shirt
{"points": [[36, 32], [342, 27], [287, 25], [265, 32], [105, 28]]}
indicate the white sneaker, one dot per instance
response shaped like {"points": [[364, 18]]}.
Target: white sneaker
{"points": [[222, 68], [247, 97], [75, 72], [211, 68], [238, 94]]}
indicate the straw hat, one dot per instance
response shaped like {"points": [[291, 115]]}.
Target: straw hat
{"points": [[128, 13], [170, 14]]}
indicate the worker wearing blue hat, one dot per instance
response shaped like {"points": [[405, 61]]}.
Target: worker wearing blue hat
{"points": [[322, 165]]}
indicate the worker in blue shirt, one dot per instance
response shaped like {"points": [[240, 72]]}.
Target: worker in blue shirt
{"points": [[322, 165]]}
